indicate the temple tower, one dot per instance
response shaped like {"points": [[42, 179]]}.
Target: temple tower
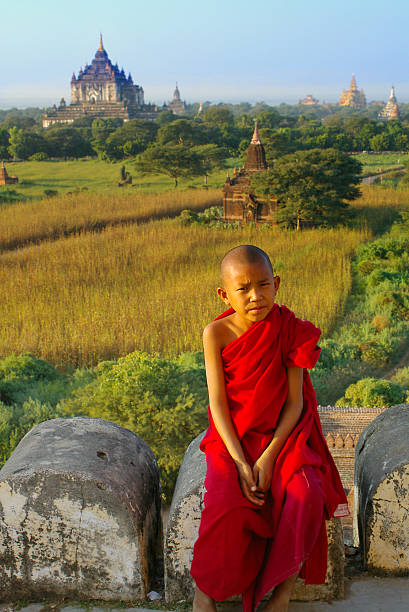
{"points": [[103, 90], [104, 82], [240, 203], [352, 97], [391, 107], [256, 157], [177, 106]]}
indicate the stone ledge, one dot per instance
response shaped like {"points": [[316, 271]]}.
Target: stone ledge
{"points": [[79, 513]]}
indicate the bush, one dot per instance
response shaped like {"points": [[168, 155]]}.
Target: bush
{"points": [[374, 353], [50, 193], [336, 354], [188, 216], [21, 375], [366, 267], [210, 216], [40, 156], [380, 322], [16, 421], [401, 377], [373, 392], [162, 400]]}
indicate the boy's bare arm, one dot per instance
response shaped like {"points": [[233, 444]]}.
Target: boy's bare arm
{"points": [[221, 414], [290, 414]]}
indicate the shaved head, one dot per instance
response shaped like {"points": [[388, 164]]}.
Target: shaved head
{"points": [[243, 254]]}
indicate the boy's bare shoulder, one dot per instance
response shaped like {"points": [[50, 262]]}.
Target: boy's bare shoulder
{"points": [[218, 333]]}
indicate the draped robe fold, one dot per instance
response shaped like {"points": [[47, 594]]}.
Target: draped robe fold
{"points": [[241, 548]]}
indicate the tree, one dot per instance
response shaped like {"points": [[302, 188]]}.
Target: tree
{"points": [[311, 186], [23, 144], [181, 131], [129, 139], [212, 157], [4, 143], [218, 116], [268, 118], [380, 142], [165, 117], [277, 142], [101, 129], [66, 142], [176, 161], [23, 123]]}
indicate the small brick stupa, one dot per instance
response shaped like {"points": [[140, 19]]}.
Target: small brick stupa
{"points": [[239, 201], [5, 179]]}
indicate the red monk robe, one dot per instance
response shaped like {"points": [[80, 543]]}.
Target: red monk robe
{"points": [[243, 548]]}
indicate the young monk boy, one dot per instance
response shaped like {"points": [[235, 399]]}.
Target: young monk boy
{"points": [[271, 481]]}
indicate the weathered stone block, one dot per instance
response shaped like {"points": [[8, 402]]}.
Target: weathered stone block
{"points": [[381, 484], [183, 522], [79, 513], [183, 526]]}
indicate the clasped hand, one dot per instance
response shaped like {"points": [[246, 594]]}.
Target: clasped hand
{"points": [[256, 482]]}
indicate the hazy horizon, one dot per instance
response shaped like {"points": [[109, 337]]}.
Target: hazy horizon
{"points": [[220, 52]]}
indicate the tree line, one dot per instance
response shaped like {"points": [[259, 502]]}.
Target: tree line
{"points": [[22, 137]]}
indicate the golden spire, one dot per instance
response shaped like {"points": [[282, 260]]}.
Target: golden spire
{"points": [[101, 46], [353, 83], [256, 137]]}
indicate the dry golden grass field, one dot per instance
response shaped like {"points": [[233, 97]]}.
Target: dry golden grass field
{"points": [[95, 295], [31, 222]]}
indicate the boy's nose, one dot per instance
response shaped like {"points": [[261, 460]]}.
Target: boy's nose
{"points": [[254, 295]]}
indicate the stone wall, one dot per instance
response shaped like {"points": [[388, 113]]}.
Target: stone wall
{"points": [[79, 513]]}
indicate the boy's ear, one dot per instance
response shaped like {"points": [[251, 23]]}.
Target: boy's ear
{"points": [[222, 293], [276, 282]]}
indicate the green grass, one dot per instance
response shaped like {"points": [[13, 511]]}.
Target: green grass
{"points": [[99, 176], [92, 175], [379, 163]]}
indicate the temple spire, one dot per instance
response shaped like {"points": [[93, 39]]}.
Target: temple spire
{"points": [[101, 45], [176, 93], [392, 97], [353, 83], [256, 136], [256, 157]]}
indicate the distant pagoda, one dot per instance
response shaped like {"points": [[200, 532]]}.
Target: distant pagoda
{"points": [[177, 106], [309, 101], [102, 90], [391, 109], [239, 202], [352, 97]]}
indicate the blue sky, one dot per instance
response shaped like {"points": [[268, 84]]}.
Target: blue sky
{"points": [[276, 51]]}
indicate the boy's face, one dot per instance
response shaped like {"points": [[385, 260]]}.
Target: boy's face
{"points": [[250, 289]]}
